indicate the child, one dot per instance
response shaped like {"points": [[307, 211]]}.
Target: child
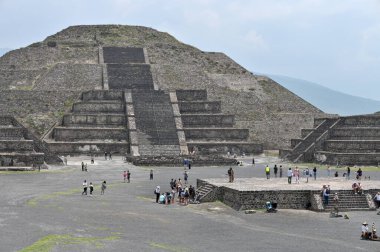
{"points": [[103, 188]]}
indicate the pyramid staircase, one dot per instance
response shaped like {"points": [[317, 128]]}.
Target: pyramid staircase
{"points": [[17, 150]]}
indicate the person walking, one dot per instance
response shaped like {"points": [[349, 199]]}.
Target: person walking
{"points": [[129, 176], [275, 170], [185, 176], [297, 175], [267, 171], [91, 188], [151, 175], [348, 172], [253, 162], [315, 172], [125, 175], [280, 171], [103, 187], [290, 175], [84, 187], [229, 175], [82, 166], [157, 192], [326, 195], [328, 171]]}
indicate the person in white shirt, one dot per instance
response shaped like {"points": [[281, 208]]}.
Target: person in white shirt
{"points": [[377, 199]]}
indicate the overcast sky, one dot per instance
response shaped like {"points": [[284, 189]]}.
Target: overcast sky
{"points": [[335, 43]]}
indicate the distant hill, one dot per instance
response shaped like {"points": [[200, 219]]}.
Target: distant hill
{"points": [[328, 100], [4, 51]]}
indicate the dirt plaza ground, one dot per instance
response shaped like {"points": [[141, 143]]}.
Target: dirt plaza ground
{"points": [[45, 211]]}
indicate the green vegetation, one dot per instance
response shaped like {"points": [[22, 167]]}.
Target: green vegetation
{"points": [[344, 167], [48, 242], [166, 247]]}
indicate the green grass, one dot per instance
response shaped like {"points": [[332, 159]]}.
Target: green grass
{"points": [[334, 167], [48, 242], [167, 247]]}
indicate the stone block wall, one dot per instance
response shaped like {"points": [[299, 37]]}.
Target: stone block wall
{"points": [[197, 107], [102, 95], [191, 95], [89, 107], [208, 120], [217, 134], [75, 134], [16, 145]]}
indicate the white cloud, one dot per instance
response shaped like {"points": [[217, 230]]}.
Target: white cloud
{"points": [[208, 18], [255, 41]]}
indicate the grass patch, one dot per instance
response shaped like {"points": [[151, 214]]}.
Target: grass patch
{"points": [[48, 242], [34, 202], [167, 247]]}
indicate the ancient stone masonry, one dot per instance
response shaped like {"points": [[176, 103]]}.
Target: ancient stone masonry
{"points": [[96, 125], [207, 130], [17, 150], [353, 140]]}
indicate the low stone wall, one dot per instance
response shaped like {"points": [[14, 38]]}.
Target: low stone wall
{"points": [[191, 95], [367, 120], [96, 120], [351, 158], [80, 148], [102, 95], [200, 107], [11, 133], [16, 145], [353, 146], [98, 107], [178, 161], [216, 134], [6, 121], [75, 134], [21, 159], [348, 133], [223, 148], [209, 120]]}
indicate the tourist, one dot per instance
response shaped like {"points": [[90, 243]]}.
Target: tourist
{"points": [[105, 155], [85, 167], [336, 174], [82, 166], [290, 175], [129, 176], [125, 175], [315, 172], [359, 174], [355, 188], [232, 175], [173, 196], [110, 156], [157, 192], [348, 173], [326, 195], [328, 171], [84, 187], [103, 187], [172, 184], [307, 173], [359, 188], [178, 184], [296, 175], [253, 162], [191, 192], [92, 160], [186, 196], [275, 170], [280, 171], [185, 177], [91, 188], [229, 175], [151, 175], [267, 171], [365, 231], [377, 199], [189, 165], [161, 199]]}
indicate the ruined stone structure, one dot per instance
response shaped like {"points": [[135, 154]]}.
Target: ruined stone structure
{"points": [[352, 140], [286, 199], [40, 83], [18, 149]]}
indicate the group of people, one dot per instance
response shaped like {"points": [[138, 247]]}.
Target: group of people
{"points": [[184, 193], [127, 176], [357, 188], [369, 234], [91, 186]]}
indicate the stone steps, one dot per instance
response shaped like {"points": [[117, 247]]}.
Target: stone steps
{"points": [[102, 95], [191, 95], [11, 133], [123, 55], [355, 133], [129, 76], [204, 190]]}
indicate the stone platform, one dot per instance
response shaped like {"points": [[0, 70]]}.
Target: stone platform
{"points": [[249, 193]]}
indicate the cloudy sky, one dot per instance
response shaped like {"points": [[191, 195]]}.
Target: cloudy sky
{"points": [[335, 43]]}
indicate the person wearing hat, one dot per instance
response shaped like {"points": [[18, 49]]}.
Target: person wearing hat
{"points": [[365, 233]]}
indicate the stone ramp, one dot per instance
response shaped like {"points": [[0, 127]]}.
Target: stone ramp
{"points": [[123, 55], [129, 76], [348, 201]]}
